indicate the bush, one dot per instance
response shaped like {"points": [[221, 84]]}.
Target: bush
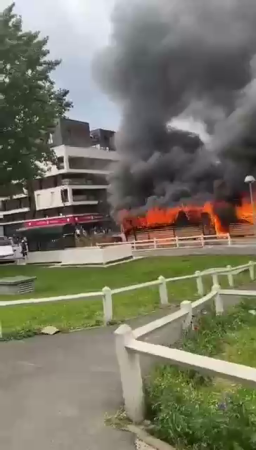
{"points": [[187, 417], [189, 410]]}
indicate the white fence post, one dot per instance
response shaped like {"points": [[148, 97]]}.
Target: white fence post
{"points": [[202, 240], [199, 283], [186, 306], [130, 371], [251, 270], [230, 276], [155, 243], [218, 300], [163, 291], [107, 305], [177, 242], [229, 240], [215, 279]]}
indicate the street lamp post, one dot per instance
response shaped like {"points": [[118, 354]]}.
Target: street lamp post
{"points": [[250, 180]]}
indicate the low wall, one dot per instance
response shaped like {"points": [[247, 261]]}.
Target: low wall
{"points": [[45, 257], [82, 255], [116, 253]]}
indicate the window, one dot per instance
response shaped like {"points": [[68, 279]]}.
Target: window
{"points": [[64, 196], [89, 163], [24, 203], [11, 204], [81, 195], [49, 182], [60, 163], [79, 180]]}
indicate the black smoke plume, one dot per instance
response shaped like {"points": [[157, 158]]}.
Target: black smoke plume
{"points": [[181, 58]]}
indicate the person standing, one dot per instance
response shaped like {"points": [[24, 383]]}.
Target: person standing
{"points": [[24, 248]]}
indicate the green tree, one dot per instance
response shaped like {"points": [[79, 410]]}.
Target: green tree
{"points": [[30, 103]]}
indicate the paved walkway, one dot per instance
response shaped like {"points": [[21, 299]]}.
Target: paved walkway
{"points": [[55, 391]]}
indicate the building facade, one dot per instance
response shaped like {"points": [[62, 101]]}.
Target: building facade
{"points": [[75, 190]]}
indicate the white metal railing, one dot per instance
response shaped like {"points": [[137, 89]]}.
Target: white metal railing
{"points": [[107, 294], [129, 348], [199, 241], [176, 242]]}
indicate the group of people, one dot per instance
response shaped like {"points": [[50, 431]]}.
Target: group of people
{"points": [[80, 231]]}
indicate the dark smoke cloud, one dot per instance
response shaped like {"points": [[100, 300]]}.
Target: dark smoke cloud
{"points": [[171, 58]]}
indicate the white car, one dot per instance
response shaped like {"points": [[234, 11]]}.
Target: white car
{"points": [[7, 252]]}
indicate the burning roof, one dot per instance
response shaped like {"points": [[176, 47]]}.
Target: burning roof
{"points": [[205, 216]]}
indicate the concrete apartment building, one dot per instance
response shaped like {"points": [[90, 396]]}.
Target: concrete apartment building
{"points": [[72, 192]]}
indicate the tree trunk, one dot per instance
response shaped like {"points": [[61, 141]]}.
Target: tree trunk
{"points": [[31, 200]]}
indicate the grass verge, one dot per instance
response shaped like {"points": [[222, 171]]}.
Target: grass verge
{"points": [[21, 321], [196, 412]]}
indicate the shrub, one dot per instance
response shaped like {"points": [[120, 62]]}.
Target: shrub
{"points": [[189, 410], [200, 419]]}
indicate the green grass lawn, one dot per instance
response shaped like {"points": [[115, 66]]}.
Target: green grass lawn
{"points": [[192, 411], [27, 320]]}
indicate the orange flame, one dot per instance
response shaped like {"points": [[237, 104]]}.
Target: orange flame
{"points": [[166, 217], [245, 211]]}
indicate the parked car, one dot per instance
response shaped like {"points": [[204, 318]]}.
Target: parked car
{"points": [[7, 253]]}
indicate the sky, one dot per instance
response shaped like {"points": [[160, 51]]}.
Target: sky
{"points": [[77, 30]]}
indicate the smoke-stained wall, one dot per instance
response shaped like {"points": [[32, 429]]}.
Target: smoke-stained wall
{"points": [[190, 58]]}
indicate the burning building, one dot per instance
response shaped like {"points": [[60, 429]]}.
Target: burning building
{"points": [[190, 220], [176, 60]]}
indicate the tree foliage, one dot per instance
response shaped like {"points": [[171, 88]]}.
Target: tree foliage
{"points": [[30, 103]]}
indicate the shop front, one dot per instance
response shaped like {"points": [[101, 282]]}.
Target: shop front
{"points": [[57, 233]]}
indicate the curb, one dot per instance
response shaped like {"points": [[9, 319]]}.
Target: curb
{"points": [[143, 436]]}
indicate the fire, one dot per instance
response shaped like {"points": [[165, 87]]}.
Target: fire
{"points": [[245, 211], [157, 217]]}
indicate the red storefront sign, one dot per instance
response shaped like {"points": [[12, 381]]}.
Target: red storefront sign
{"points": [[87, 218], [60, 221]]}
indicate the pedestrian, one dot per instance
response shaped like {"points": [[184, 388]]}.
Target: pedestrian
{"points": [[24, 249]]}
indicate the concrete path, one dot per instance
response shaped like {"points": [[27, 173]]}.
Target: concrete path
{"points": [[55, 391]]}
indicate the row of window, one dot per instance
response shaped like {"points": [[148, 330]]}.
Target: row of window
{"points": [[76, 163], [81, 163], [9, 205], [78, 195], [82, 195], [74, 179]]}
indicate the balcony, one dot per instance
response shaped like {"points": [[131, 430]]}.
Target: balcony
{"points": [[90, 199], [89, 165], [75, 182], [82, 182], [91, 184]]}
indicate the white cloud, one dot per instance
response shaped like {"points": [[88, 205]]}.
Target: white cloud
{"points": [[77, 29]]}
